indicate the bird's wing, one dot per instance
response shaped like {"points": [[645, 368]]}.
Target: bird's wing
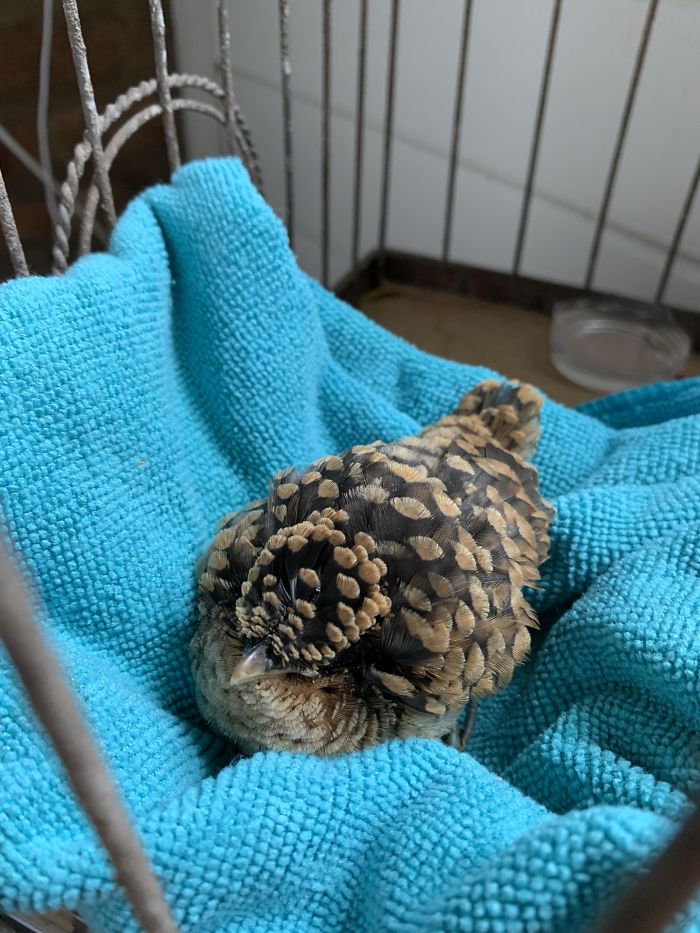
{"points": [[459, 621], [225, 565]]}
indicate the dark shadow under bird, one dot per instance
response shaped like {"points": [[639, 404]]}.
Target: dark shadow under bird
{"points": [[375, 593]]}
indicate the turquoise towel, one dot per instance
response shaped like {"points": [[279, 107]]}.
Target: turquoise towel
{"points": [[152, 389]]}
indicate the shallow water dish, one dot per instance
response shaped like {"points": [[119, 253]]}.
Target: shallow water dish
{"points": [[611, 345]]}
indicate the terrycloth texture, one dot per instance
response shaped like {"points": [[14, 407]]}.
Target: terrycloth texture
{"points": [[152, 389]]}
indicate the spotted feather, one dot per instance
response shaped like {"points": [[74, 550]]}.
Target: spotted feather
{"points": [[381, 587]]}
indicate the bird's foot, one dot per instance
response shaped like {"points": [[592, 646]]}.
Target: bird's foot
{"points": [[461, 732]]}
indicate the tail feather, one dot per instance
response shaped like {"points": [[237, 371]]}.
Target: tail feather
{"points": [[511, 412]]}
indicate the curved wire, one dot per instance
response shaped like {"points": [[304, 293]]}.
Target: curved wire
{"points": [[83, 152], [122, 135]]}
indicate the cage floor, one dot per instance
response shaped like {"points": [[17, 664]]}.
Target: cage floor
{"points": [[511, 340]]}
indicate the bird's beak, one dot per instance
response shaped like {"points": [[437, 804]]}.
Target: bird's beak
{"points": [[251, 667]]}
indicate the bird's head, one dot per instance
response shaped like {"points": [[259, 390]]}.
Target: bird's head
{"points": [[318, 627], [311, 595]]}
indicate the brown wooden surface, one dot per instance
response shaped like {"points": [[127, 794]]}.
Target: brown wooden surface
{"points": [[511, 340], [60, 922]]}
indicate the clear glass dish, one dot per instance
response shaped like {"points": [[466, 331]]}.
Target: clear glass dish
{"points": [[608, 345]]}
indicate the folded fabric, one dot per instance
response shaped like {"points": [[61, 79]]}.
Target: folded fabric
{"points": [[153, 388]]}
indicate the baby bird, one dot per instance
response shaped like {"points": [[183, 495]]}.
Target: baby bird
{"points": [[373, 594]]}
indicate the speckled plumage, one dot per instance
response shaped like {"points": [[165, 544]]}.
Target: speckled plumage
{"points": [[373, 594]]}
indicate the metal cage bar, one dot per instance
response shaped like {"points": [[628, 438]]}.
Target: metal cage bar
{"points": [[326, 144], [237, 133], [10, 233], [678, 234], [122, 135], [659, 894], [87, 97], [359, 132], [620, 142], [286, 76], [388, 129], [456, 131], [42, 110], [83, 152], [656, 898], [55, 705], [536, 137], [161, 61], [226, 72]]}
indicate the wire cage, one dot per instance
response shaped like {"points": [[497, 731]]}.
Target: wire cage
{"points": [[370, 260], [87, 190]]}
